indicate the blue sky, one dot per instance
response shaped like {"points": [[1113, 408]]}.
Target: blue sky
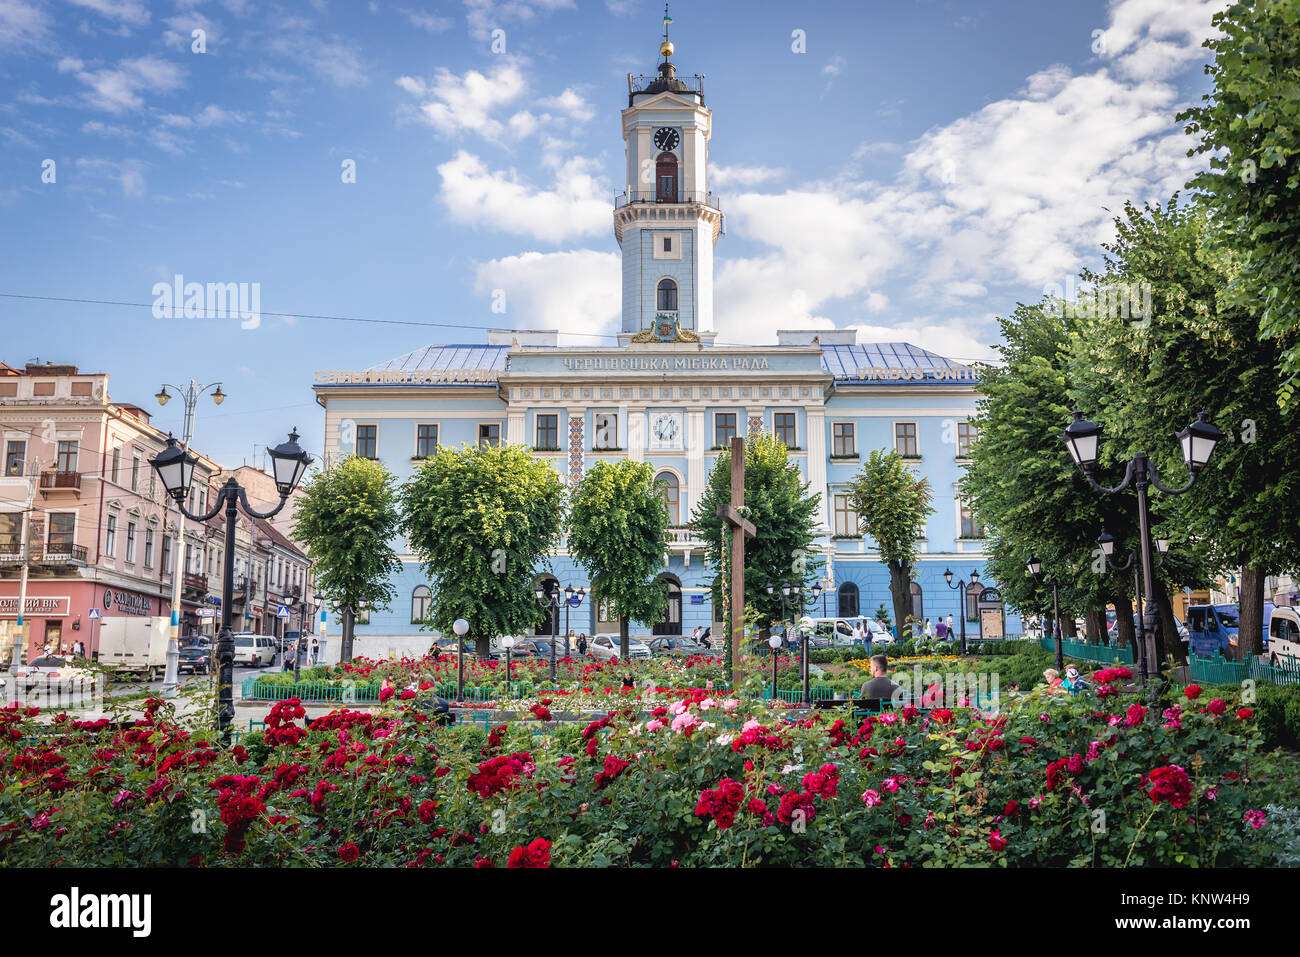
{"points": [[919, 169]]}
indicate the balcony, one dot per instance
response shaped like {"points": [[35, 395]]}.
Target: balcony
{"points": [[11, 553], [685, 540], [52, 482], [650, 196], [58, 554], [195, 582]]}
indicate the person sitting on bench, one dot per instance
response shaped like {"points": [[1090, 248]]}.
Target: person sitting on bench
{"points": [[879, 686]]}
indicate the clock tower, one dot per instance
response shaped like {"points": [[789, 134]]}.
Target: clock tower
{"points": [[667, 222]]}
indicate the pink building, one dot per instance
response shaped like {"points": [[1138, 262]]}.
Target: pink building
{"points": [[76, 485]]}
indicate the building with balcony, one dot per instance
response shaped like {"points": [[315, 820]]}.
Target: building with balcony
{"points": [[670, 395]]}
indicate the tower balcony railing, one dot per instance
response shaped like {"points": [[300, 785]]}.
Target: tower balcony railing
{"points": [[652, 82], [650, 196]]}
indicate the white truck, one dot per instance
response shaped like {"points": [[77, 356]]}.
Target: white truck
{"points": [[134, 644]]}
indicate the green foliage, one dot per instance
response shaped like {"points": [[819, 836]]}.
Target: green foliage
{"points": [[892, 503], [482, 520], [783, 512], [347, 518], [1248, 124], [618, 532]]}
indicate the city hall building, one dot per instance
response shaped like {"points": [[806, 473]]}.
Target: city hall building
{"points": [[670, 395]]}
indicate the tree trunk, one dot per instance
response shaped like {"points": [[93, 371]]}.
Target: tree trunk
{"points": [[1123, 619], [349, 619], [1069, 629], [900, 590], [1094, 626], [622, 637], [1250, 634], [1168, 643]]}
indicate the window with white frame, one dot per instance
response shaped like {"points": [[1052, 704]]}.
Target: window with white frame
{"points": [[843, 439], [110, 537], [844, 517], [905, 440]]}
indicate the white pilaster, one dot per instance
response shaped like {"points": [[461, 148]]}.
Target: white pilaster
{"points": [[817, 460], [696, 443]]}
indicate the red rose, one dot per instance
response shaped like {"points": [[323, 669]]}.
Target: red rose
{"points": [[1170, 785], [1192, 692], [349, 853], [1217, 706], [427, 810], [1012, 809], [997, 842], [385, 694], [536, 854], [1245, 714]]}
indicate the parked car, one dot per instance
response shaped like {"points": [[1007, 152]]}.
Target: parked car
{"points": [[538, 648], [605, 647], [1284, 636], [838, 631], [49, 674], [675, 645], [198, 657], [255, 651]]}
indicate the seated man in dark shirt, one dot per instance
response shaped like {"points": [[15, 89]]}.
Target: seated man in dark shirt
{"points": [[879, 686]]}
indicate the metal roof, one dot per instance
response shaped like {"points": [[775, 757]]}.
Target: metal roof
{"points": [[438, 358], [846, 363]]}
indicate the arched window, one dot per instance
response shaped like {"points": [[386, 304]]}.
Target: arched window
{"points": [[672, 492], [550, 624], [420, 604], [672, 623], [666, 178], [848, 600], [918, 606], [666, 298]]}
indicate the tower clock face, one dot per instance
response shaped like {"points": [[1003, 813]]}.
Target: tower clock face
{"points": [[667, 138], [666, 430]]}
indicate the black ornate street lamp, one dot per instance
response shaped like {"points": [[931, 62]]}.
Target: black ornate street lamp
{"points": [[1198, 442], [569, 602], [1107, 543], [550, 600], [175, 468], [961, 606], [1035, 569]]}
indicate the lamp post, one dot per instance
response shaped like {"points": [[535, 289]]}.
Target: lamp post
{"points": [[774, 642], [569, 595], [190, 396], [461, 627], [507, 643], [961, 587], [805, 635], [816, 591], [1035, 568], [1198, 441], [175, 467], [550, 600], [1107, 543]]}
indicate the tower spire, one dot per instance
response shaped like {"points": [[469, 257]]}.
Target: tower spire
{"points": [[666, 48]]}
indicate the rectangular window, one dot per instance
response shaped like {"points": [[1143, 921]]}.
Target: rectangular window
{"points": [[148, 548], [130, 542], [426, 441], [63, 528], [67, 461], [605, 435], [489, 434], [970, 528], [843, 439], [11, 531], [110, 537], [724, 429], [368, 441], [117, 465], [783, 425], [846, 520], [15, 458], [167, 554], [905, 439], [135, 473], [965, 439], [668, 244], [548, 431]]}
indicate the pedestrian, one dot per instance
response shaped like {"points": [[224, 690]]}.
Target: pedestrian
{"points": [[951, 632], [582, 645], [941, 630], [695, 635], [288, 656], [706, 639], [929, 630], [315, 651]]}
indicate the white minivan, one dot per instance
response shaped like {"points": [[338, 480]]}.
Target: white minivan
{"points": [[254, 651], [1283, 635]]}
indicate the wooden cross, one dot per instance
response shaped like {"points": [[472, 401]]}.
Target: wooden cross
{"points": [[741, 529]]}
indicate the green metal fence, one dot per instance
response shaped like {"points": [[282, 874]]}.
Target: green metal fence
{"points": [[1216, 670], [1102, 654]]}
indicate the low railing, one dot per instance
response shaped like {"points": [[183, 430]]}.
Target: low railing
{"points": [[59, 554], [196, 581], [685, 535], [1216, 670], [704, 198], [56, 480], [1102, 654]]}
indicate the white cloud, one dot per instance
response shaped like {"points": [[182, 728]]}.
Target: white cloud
{"points": [[128, 175], [1151, 39], [179, 34], [834, 66], [23, 25], [429, 22], [333, 60], [721, 177], [127, 12], [577, 291], [121, 88], [950, 336], [69, 65], [577, 205], [466, 103], [483, 16]]}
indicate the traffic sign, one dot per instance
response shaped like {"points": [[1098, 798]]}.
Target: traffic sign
{"points": [[282, 613], [93, 613], [206, 613]]}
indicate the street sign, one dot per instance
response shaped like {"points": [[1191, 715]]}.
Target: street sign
{"points": [[206, 613], [282, 613], [93, 613]]}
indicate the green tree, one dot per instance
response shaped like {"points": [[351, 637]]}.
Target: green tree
{"points": [[482, 520], [618, 520], [1029, 496], [348, 517], [1250, 125], [892, 503], [1241, 511], [784, 516]]}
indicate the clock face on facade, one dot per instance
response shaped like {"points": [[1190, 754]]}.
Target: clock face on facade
{"points": [[667, 138], [666, 430]]}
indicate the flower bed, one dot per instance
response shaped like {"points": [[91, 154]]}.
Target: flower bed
{"points": [[1070, 781]]}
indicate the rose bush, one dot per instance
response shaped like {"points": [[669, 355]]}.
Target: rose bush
{"points": [[704, 781]]}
